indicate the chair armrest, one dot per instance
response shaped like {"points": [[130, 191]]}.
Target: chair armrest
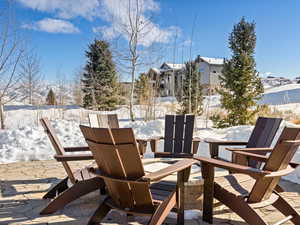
{"points": [[154, 142], [172, 155], [281, 173], [225, 142], [195, 139], [232, 166], [142, 139], [63, 158], [294, 164], [262, 158], [214, 145], [155, 138], [176, 167], [257, 157], [250, 149], [142, 145], [77, 149]]}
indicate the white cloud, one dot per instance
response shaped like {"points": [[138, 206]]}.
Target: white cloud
{"points": [[187, 42], [52, 26], [116, 12], [66, 9]]}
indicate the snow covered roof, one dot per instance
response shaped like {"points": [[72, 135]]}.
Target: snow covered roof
{"points": [[172, 66], [213, 61], [155, 70]]}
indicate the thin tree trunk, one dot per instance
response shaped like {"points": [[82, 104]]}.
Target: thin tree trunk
{"points": [[2, 125], [131, 95], [190, 89], [94, 100]]}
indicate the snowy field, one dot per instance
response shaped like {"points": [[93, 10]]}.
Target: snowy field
{"points": [[24, 139]]}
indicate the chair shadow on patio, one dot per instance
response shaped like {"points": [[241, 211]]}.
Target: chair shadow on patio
{"points": [[21, 202]]}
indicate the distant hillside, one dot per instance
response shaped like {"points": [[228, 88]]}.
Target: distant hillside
{"points": [[284, 94], [65, 91]]}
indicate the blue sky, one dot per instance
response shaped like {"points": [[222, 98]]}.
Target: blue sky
{"points": [[60, 33]]}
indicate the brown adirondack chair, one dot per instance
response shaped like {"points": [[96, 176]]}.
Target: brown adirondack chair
{"points": [[252, 188], [82, 181], [261, 139], [111, 121], [178, 139], [120, 166]]}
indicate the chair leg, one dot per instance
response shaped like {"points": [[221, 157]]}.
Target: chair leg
{"points": [[238, 205], [163, 210], [99, 214], [76, 191], [286, 209], [57, 189]]}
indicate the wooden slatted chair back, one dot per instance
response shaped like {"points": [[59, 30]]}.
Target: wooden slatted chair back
{"points": [[103, 120], [179, 133], [264, 132], [279, 159], [116, 154], [57, 146]]}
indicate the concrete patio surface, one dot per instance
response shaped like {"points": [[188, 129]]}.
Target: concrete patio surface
{"points": [[23, 184]]}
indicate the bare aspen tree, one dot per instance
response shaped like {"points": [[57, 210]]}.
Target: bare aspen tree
{"points": [[11, 52], [30, 75], [135, 27], [77, 87], [61, 88], [190, 84]]}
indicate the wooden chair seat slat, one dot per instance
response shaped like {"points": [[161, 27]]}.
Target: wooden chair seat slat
{"points": [[84, 173], [169, 133], [189, 128], [237, 184], [179, 129]]}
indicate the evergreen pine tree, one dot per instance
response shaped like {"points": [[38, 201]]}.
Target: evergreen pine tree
{"points": [[241, 86], [192, 96], [51, 99], [100, 84]]}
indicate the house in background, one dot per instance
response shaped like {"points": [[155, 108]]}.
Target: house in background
{"points": [[169, 77], [211, 69], [273, 81], [165, 78]]}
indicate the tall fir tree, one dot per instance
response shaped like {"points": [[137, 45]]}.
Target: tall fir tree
{"points": [[51, 99], [100, 83], [192, 96], [241, 86]]}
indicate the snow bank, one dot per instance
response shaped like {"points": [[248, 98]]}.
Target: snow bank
{"points": [[31, 143], [24, 139], [286, 87], [282, 95]]}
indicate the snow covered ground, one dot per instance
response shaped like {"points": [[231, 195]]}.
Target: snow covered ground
{"points": [[285, 94], [27, 141], [281, 95], [24, 139]]}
